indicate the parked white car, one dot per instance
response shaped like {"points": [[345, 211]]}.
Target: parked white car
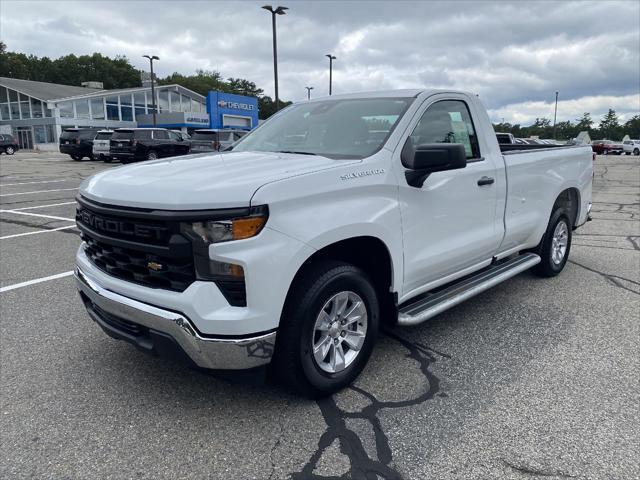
{"points": [[294, 248], [101, 145], [631, 146]]}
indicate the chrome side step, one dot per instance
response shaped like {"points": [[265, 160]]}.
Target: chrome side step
{"points": [[431, 305]]}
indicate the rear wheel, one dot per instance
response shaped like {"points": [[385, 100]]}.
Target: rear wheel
{"points": [[327, 330], [77, 158], [107, 159], [152, 155], [555, 245], [9, 150], [636, 151]]}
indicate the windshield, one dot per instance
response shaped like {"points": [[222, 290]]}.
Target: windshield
{"points": [[349, 128]]}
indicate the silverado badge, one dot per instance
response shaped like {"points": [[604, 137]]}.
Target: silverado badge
{"points": [[154, 266]]}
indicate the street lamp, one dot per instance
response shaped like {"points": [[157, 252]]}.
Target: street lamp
{"points": [[555, 115], [331, 59], [309, 92], [153, 91], [274, 12]]}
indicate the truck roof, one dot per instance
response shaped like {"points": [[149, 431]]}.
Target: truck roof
{"points": [[400, 93]]}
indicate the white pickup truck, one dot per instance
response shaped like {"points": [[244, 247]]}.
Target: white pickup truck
{"points": [[334, 217]]}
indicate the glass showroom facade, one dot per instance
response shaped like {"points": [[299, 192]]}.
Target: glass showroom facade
{"points": [[36, 117]]}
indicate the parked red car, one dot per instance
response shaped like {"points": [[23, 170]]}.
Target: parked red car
{"points": [[606, 147]]}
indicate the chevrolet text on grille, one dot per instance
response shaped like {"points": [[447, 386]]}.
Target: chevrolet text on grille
{"points": [[116, 226]]}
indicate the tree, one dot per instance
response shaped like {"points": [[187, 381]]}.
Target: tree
{"points": [[632, 127], [584, 123], [610, 125]]}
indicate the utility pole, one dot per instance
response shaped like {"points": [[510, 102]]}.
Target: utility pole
{"points": [[555, 115], [274, 12], [153, 91], [309, 92], [331, 59]]}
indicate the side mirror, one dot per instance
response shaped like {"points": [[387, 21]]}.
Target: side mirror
{"points": [[428, 158]]}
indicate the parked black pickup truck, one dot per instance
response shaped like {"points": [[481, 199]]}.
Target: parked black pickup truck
{"points": [[136, 144], [78, 142]]}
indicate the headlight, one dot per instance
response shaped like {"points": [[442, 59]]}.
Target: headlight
{"points": [[216, 231], [203, 233]]}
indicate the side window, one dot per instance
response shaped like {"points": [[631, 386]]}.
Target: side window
{"points": [[143, 134], [160, 135], [447, 121], [174, 136]]}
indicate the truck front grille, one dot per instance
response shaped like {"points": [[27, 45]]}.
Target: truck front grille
{"points": [[140, 248], [140, 267]]}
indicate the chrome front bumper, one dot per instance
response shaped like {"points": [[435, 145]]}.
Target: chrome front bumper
{"points": [[205, 352]]}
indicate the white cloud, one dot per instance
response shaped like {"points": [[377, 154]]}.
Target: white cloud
{"points": [[515, 55]]}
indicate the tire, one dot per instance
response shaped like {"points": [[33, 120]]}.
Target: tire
{"points": [[152, 155], [636, 151], [553, 255], [77, 158], [107, 159], [317, 292], [627, 153], [9, 150]]}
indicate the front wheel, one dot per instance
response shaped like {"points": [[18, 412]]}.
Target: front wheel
{"points": [[152, 155], [636, 151], [555, 245], [77, 158], [9, 150], [327, 330]]}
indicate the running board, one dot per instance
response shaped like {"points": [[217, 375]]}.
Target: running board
{"points": [[435, 303]]}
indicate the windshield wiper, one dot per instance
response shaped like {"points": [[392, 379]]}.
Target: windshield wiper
{"points": [[292, 151]]}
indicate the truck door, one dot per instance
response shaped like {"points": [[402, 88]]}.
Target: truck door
{"points": [[451, 223]]}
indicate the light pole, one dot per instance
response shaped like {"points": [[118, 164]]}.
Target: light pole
{"points": [[331, 59], [153, 90], [555, 115], [274, 12], [309, 92]]}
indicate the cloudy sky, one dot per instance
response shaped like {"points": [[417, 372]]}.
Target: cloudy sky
{"points": [[514, 54]]}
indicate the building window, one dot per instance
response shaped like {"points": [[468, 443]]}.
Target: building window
{"points": [[163, 103], [66, 109], [97, 108], [125, 108], [51, 133], [15, 110], [40, 134], [82, 109], [13, 95], [175, 102], [139, 103], [3, 95], [4, 111], [24, 106], [112, 108], [150, 102], [36, 108]]}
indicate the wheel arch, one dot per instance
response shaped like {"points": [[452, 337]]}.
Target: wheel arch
{"points": [[370, 254], [569, 199]]}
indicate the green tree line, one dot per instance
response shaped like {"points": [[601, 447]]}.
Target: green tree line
{"points": [[610, 128], [119, 73]]}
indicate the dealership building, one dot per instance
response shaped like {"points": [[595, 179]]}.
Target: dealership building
{"points": [[37, 112]]}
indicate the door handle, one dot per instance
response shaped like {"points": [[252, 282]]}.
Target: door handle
{"points": [[486, 181]]}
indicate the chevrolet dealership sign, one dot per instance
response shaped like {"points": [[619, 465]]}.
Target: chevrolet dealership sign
{"points": [[235, 105]]}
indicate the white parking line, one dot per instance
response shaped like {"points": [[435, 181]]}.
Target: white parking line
{"points": [[42, 206], [36, 232], [37, 191], [32, 183], [39, 215], [33, 282]]}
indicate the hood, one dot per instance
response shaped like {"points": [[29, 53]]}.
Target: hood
{"points": [[196, 182]]}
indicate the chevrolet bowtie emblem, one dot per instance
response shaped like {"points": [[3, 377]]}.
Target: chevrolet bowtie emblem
{"points": [[154, 266]]}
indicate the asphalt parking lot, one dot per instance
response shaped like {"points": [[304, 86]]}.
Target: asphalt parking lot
{"points": [[533, 379]]}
